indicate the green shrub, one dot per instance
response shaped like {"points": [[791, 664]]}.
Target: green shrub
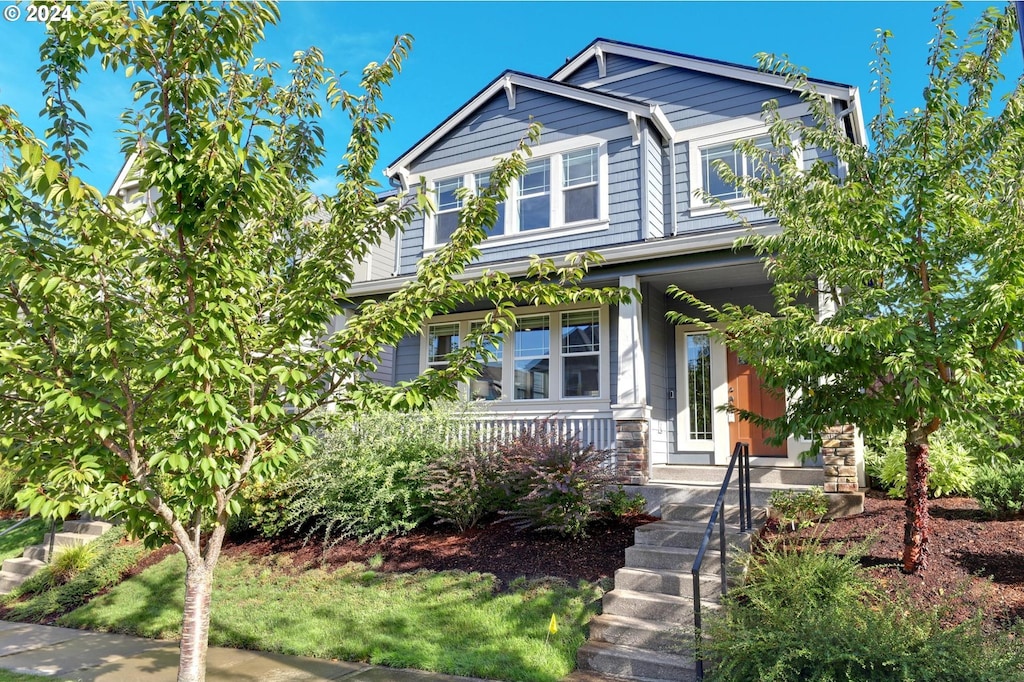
{"points": [[999, 490], [811, 615], [467, 485], [564, 481], [9, 484], [365, 478], [70, 562], [39, 599], [798, 509], [619, 503], [264, 508], [954, 453]]}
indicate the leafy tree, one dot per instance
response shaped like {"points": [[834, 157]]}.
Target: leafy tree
{"points": [[154, 361], [918, 245]]}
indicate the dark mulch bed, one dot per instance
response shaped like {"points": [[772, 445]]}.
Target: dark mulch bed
{"points": [[974, 564], [496, 548]]}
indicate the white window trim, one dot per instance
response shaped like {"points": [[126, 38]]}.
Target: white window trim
{"points": [[507, 402], [554, 152]]}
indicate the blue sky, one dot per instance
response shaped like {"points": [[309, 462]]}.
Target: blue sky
{"points": [[461, 46]]}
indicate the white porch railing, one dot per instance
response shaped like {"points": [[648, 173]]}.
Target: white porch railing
{"points": [[597, 430]]}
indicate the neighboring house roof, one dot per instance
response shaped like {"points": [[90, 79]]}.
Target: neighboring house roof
{"points": [[123, 177], [508, 82]]}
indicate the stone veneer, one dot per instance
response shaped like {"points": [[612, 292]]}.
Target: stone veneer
{"points": [[631, 450], [839, 459]]}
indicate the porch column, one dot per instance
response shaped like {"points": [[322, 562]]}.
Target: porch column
{"points": [[631, 412], [843, 472]]}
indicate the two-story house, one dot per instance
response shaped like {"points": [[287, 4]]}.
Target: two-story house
{"points": [[630, 135]]}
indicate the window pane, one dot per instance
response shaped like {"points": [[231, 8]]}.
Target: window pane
{"points": [[483, 181], [537, 178], [698, 386], [758, 167], [714, 183], [444, 226], [446, 199], [487, 386], [533, 337], [535, 212], [579, 168], [443, 339], [582, 376], [532, 379], [580, 332], [581, 204]]}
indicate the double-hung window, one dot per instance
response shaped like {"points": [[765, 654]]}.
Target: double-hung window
{"points": [[581, 354], [532, 344], [739, 163], [535, 196], [448, 207], [482, 182], [580, 185], [487, 386], [442, 339]]}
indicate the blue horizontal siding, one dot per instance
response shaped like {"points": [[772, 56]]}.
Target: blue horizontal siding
{"points": [[495, 130], [614, 65], [407, 358]]}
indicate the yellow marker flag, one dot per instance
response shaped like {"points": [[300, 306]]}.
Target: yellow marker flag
{"points": [[553, 625]]}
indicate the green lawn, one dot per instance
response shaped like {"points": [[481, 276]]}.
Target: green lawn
{"points": [[450, 622], [8, 676], [14, 543]]}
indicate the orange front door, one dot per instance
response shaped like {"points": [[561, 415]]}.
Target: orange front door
{"points": [[747, 393]]}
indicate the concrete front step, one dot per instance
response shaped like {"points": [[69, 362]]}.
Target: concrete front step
{"points": [[675, 558], [664, 581], [640, 665], [21, 566], [62, 540], [708, 494], [662, 608], [688, 534], [10, 581], [93, 528], [700, 513], [759, 475], [641, 634]]}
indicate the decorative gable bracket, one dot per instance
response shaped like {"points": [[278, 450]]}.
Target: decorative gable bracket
{"points": [[510, 92]]}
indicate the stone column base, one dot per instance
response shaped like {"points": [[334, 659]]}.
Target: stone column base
{"points": [[632, 445], [839, 459]]}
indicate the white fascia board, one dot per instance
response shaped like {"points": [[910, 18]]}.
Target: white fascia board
{"points": [[517, 79], [616, 255], [122, 176], [694, 64]]}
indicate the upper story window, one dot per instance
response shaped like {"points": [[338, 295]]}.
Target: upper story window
{"points": [[562, 189], [580, 182], [448, 207], [483, 181], [738, 162]]}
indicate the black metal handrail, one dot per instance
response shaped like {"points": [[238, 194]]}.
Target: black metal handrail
{"points": [[15, 526], [740, 455]]}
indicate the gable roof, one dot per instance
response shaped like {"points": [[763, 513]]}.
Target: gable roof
{"points": [[751, 74], [507, 82]]}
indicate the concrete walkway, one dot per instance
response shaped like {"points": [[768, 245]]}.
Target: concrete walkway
{"points": [[85, 656]]}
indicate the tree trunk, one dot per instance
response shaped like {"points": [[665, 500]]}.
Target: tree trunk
{"points": [[915, 531], [195, 623]]}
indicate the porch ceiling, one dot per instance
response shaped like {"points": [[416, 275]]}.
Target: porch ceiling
{"points": [[723, 276]]}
